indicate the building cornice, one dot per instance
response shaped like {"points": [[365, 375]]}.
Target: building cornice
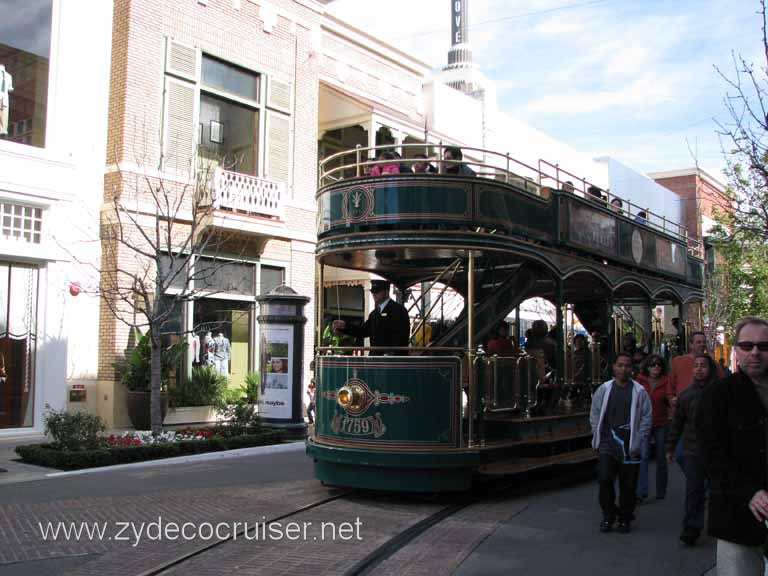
{"points": [[372, 44]]}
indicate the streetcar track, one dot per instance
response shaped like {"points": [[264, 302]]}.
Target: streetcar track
{"points": [[180, 559], [400, 540], [384, 551]]}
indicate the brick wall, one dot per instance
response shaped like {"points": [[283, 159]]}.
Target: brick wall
{"points": [[139, 34], [686, 187]]}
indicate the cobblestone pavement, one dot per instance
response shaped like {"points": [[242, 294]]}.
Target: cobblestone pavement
{"points": [[379, 520], [549, 531]]}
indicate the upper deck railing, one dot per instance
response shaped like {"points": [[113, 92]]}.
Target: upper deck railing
{"points": [[362, 161]]}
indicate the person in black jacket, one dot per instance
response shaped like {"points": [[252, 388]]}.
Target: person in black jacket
{"points": [[387, 325], [684, 426], [731, 428]]}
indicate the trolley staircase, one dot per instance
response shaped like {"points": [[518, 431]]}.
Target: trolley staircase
{"points": [[500, 290]]}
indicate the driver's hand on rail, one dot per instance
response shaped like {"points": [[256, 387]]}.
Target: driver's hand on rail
{"points": [[338, 326]]}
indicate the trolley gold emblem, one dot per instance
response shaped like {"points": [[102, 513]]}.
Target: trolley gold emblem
{"points": [[356, 397]]}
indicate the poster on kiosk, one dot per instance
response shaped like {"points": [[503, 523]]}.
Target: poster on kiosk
{"points": [[275, 398]]}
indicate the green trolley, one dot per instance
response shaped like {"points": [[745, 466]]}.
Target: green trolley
{"points": [[439, 414]]}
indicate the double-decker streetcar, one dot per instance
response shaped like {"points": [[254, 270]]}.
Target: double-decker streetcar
{"points": [[435, 415]]}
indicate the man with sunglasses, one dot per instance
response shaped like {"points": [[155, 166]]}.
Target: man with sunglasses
{"points": [[732, 427], [387, 325]]}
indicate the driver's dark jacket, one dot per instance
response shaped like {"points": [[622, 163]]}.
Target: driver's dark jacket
{"points": [[731, 428]]}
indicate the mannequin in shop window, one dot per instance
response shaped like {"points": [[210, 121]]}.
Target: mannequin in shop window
{"points": [[6, 87], [210, 348], [195, 349], [221, 353]]}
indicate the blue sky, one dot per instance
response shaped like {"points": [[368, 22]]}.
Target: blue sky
{"points": [[631, 79]]}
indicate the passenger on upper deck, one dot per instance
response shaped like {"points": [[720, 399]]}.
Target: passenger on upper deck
{"points": [[568, 187], [423, 167], [642, 217], [387, 168], [403, 167], [387, 325], [616, 205], [455, 153], [594, 193]]}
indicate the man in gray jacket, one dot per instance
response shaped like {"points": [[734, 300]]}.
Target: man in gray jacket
{"points": [[621, 421]]}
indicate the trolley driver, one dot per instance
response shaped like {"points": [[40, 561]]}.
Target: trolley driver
{"points": [[388, 323]]}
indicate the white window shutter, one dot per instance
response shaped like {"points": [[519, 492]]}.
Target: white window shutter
{"points": [[179, 128], [279, 95], [181, 60], [278, 146]]}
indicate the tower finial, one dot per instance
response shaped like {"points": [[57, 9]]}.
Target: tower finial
{"points": [[460, 54]]}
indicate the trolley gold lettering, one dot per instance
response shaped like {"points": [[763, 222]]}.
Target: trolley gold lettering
{"points": [[370, 425]]}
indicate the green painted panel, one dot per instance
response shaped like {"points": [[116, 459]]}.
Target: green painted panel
{"points": [[670, 256], [393, 200], [514, 211], [637, 245], [592, 228], [408, 402], [695, 272]]}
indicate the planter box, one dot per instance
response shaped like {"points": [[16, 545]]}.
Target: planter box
{"points": [[46, 455], [190, 415]]}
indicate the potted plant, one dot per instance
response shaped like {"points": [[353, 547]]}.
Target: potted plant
{"points": [[196, 398], [134, 373]]}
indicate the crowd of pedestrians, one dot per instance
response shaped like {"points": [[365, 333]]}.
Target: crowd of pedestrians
{"points": [[712, 423]]}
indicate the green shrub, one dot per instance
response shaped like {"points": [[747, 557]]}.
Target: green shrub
{"points": [[204, 387], [72, 431], [135, 369], [238, 412], [251, 388], [52, 457], [232, 395]]}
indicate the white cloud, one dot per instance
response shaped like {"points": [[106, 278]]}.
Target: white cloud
{"points": [[623, 78]]}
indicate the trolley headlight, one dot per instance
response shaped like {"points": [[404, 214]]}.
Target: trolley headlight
{"points": [[350, 397]]}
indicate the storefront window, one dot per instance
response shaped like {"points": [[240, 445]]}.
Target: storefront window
{"points": [[223, 330], [25, 45], [18, 344]]}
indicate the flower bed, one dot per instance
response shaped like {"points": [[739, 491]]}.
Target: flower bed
{"points": [[141, 446]]}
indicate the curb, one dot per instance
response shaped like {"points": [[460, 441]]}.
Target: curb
{"points": [[253, 451]]}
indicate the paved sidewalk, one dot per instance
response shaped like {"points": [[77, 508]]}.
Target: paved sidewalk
{"points": [[17, 471], [559, 534]]}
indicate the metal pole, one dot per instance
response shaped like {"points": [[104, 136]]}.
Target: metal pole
{"points": [[470, 347], [561, 325], [320, 294], [648, 325], [357, 160], [507, 180]]}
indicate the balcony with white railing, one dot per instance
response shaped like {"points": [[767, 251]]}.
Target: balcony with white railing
{"points": [[245, 194]]}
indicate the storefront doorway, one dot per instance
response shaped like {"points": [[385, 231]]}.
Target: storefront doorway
{"points": [[18, 344]]}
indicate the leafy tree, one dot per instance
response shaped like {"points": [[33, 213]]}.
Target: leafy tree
{"points": [[738, 284], [743, 206]]}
